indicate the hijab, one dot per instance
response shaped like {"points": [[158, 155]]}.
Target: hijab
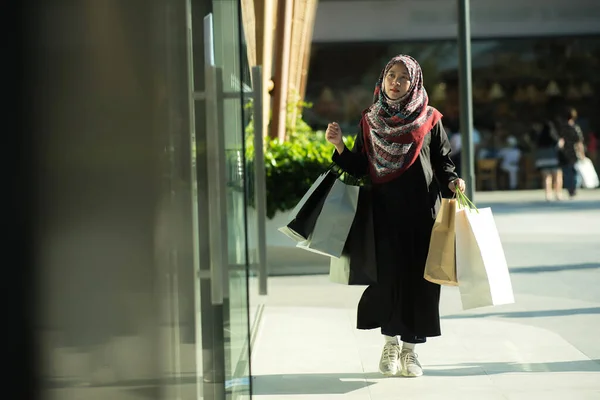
{"points": [[395, 129]]}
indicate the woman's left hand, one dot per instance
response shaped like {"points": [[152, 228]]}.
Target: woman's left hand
{"points": [[457, 183]]}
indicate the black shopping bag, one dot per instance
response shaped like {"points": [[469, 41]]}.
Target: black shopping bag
{"points": [[303, 217], [334, 222], [358, 264]]}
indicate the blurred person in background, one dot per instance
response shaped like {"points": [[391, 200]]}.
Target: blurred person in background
{"points": [[456, 146], [547, 160], [403, 148], [572, 149], [592, 148], [510, 156]]}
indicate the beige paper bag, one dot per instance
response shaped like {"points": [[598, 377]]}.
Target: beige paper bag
{"points": [[440, 267]]}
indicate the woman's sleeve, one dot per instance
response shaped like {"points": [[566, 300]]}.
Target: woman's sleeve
{"points": [[443, 167], [353, 161], [580, 137], [554, 134]]}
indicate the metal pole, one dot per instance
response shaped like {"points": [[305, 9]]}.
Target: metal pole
{"points": [[466, 104], [260, 186]]}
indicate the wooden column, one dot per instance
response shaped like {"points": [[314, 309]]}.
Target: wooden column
{"points": [[258, 17], [278, 34], [296, 44], [296, 56], [270, 13], [302, 28], [282, 60], [250, 22], [311, 13]]}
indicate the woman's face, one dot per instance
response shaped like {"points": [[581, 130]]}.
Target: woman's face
{"points": [[397, 81]]}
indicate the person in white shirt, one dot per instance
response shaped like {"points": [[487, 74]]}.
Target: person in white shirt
{"points": [[456, 146], [510, 157]]}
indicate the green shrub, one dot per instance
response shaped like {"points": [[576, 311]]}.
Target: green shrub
{"points": [[293, 165]]}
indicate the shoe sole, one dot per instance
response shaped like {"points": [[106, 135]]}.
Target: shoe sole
{"points": [[407, 375], [389, 374]]}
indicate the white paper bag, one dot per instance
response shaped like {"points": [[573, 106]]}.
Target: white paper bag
{"points": [[482, 271], [589, 177], [334, 222]]}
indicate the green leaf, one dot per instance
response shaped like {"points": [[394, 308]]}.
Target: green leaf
{"points": [[292, 166]]}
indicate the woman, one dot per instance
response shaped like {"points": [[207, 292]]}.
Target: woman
{"points": [[572, 149], [403, 148], [547, 161]]}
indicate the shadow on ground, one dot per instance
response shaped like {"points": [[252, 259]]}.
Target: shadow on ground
{"points": [[311, 384], [553, 268], [307, 384], [540, 206], [494, 368], [529, 314]]}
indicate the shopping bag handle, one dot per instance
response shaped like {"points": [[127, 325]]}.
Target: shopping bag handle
{"points": [[463, 201], [346, 177]]}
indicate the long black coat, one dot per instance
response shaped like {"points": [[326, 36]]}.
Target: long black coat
{"points": [[404, 210]]}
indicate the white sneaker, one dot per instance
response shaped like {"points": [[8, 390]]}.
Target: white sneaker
{"points": [[410, 364], [389, 364]]}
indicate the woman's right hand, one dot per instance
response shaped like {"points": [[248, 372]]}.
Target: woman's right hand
{"points": [[334, 136]]}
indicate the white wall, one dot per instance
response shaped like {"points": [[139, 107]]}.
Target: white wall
{"points": [[347, 21]]}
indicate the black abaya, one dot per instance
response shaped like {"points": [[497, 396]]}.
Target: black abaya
{"points": [[404, 210]]}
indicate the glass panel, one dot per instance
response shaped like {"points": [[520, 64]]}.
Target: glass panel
{"points": [[182, 223], [235, 73], [116, 294], [127, 307]]}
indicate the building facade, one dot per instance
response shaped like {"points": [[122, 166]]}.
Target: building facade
{"points": [[529, 58]]}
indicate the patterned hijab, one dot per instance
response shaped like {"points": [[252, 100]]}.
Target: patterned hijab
{"points": [[395, 129]]}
